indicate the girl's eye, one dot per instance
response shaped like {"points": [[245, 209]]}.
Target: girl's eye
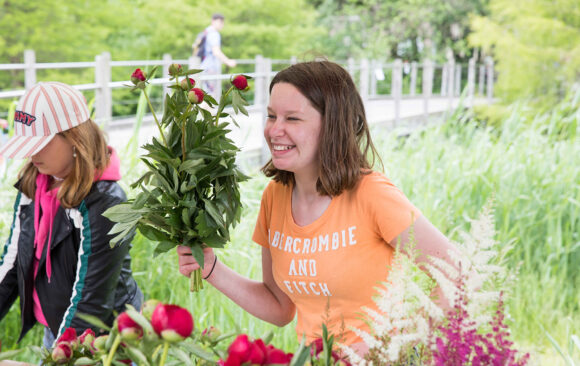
{"points": [[293, 119], [271, 116]]}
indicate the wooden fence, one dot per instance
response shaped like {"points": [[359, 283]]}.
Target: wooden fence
{"points": [[395, 80]]}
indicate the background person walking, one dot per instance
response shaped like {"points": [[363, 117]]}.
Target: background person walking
{"points": [[211, 53]]}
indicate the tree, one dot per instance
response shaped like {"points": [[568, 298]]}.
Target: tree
{"points": [[409, 29], [536, 45]]}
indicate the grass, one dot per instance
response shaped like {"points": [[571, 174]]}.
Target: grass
{"points": [[449, 172]]}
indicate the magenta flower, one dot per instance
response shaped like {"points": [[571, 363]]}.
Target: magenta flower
{"points": [[171, 322], [242, 351], [128, 328], [137, 76], [62, 353], [195, 96], [187, 86], [240, 82], [87, 338]]}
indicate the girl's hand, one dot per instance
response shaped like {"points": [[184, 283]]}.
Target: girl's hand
{"points": [[188, 264]]}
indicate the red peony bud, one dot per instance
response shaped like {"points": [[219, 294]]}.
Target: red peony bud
{"points": [[211, 334], [175, 69], [171, 322], [87, 338], [100, 342], [185, 85], [238, 351], [195, 95], [62, 353], [137, 76], [69, 336], [128, 328], [240, 82], [148, 308]]}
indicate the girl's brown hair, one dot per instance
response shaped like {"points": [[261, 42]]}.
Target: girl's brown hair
{"points": [[345, 141], [92, 157]]}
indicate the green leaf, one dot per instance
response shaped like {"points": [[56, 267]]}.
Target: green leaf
{"points": [[153, 233], [199, 351], [93, 320], [124, 212], [163, 247], [7, 355], [215, 214], [86, 361], [181, 355], [197, 252]]}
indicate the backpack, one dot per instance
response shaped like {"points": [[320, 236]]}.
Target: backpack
{"points": [[199, 45]]}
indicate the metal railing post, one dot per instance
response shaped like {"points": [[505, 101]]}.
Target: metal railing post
{"points": [[413, 82], [471, 80], [167, 61]]}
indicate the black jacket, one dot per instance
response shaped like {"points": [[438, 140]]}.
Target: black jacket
{"points": [[88, 276]]}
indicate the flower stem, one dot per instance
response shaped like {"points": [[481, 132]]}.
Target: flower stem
{"points": [[116, 343], [164, 355], [183, 129], [155, 117], [222, 105]]}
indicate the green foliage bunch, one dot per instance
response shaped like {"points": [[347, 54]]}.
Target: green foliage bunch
{"points": [[189, 194], [536, 45]]}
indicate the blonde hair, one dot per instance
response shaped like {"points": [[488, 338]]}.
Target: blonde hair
{"points": [[92, 157]]}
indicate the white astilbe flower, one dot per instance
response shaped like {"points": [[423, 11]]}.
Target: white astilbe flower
{"points": [[406, 309]]}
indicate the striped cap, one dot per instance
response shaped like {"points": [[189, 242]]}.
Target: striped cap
{"points": [[43, 111]]}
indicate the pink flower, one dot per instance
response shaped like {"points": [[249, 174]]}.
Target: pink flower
{"points": [[87, 338], [69, 335], [243, 351], [187, 86], [195, 95], [137, 76], [171, 322], [240, 82], [128, 328], [275, 356], [62, 353], [175, 69]]}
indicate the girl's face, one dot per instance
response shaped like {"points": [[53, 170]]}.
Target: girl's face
{"points": [[292, 130], [56, 158]]}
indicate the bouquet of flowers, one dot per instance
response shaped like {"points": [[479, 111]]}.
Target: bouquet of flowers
{"points": [[190, 192]]}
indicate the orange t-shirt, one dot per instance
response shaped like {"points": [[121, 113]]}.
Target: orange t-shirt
{"points": [[331, 267]]}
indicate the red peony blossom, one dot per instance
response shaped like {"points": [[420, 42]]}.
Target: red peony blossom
{"points": [[243, 351], [62, 353], [195, 95], [137, 76], [240, 82], [171, 322], [128, 328], [185, 85], [318, 346], [175, 69]]}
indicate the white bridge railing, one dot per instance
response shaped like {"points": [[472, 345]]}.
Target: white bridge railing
{"points": [[396, 80]]}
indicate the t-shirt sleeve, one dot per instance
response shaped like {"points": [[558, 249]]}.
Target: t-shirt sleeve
{"points": [[260, 235], [388, 208]]}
